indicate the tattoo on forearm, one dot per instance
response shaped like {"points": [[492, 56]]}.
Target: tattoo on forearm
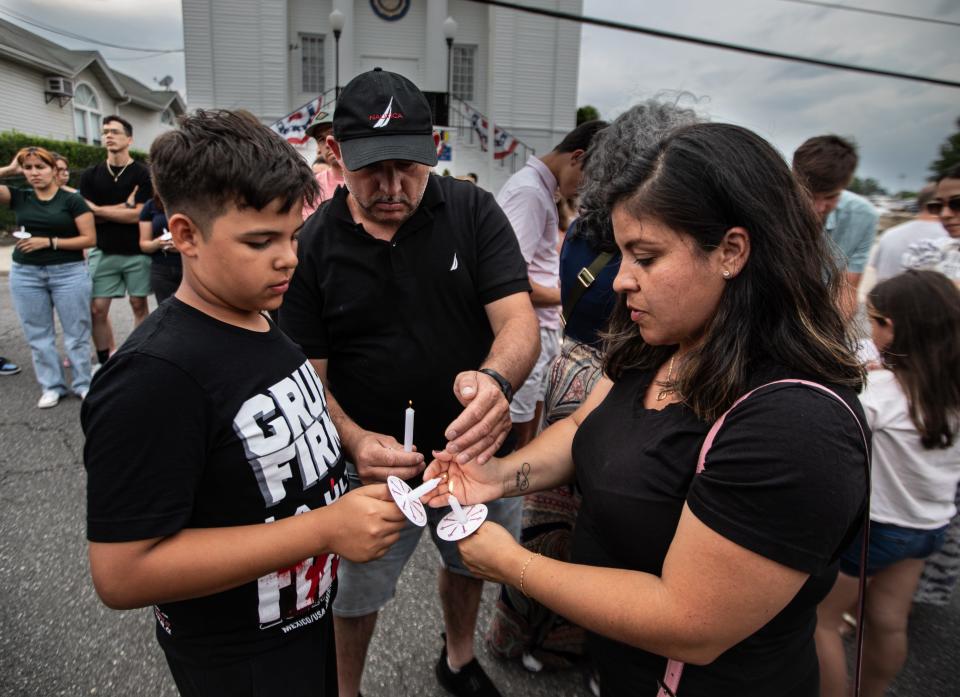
{"points": [[523, 477]]}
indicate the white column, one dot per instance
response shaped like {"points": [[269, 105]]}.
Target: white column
{"points": [[347, 71], [435, 58], [491, 92]]}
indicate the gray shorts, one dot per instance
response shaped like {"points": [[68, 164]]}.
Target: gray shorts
{"points": [[365, 588], [523, 408]]}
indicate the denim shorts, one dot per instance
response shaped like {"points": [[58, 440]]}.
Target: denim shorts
{"points": [[890, 544], [365, 588]]}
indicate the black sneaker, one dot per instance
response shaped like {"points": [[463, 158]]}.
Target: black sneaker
{"points": [[469, 681], [8, 368]]}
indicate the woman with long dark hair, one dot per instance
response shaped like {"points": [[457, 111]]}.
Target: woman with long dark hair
{"points": [[589, 260], [913, 408], [48, 271], [723, 296]]}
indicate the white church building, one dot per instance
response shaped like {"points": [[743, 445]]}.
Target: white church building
{"points": [[513, 69]]}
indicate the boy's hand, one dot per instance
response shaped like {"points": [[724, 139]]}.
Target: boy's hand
{"points": [[377, 457], [369, 523], [484, 423], [470, 483]]}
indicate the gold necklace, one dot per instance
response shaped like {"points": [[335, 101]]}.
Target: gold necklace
{"points": [[662, 394], [117, 175]]}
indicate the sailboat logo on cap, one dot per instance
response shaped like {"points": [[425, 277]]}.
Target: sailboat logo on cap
{"points": [[387, 115]]}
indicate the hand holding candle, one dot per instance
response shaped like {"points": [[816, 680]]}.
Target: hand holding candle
{"points": [[461, 521], [408, 500]]}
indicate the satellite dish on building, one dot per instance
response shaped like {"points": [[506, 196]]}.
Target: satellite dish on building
{"points": [[165, 81]]}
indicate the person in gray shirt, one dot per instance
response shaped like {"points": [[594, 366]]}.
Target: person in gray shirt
{"points": [[888, 258]]}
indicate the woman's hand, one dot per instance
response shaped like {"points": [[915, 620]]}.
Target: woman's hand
{"points": [[157, 245], [12, 169], [492, 554], [470, 483], [34, 244]]}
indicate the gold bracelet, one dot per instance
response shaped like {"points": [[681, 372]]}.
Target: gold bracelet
{"points": [[523, 571]]}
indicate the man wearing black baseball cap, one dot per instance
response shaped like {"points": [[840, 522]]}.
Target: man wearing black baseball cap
{"points": [[410, 284]]}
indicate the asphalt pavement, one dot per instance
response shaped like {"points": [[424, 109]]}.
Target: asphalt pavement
{"points": [[56, 638]]}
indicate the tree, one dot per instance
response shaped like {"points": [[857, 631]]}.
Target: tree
{"points": [[587, 113], [949, 155], [866, 187]]}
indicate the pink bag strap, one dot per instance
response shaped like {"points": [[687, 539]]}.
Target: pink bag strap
{"points": [[674, 671]]}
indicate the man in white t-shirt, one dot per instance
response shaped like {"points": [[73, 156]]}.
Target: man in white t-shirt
{"points": [[528, 200], [893, 245]]}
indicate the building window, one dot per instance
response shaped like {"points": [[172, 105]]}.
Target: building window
{"points": [[167, 118], [311, 63], [86, 115], [463, 71]]}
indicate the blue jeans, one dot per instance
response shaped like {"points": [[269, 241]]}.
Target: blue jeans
{"points": [[36, 292]]}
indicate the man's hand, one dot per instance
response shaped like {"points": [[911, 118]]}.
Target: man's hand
{"points": [[377, 457], [483, 425], [370, 522]]}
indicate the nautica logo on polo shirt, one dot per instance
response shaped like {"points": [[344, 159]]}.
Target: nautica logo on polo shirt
{"points": [[386, 116]]}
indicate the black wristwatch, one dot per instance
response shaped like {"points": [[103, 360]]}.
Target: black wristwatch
{"points": [[504, 384], [129, 204]]}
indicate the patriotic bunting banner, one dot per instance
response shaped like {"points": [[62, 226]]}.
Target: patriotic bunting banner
{"points": [[503, 143], [293, 125]]}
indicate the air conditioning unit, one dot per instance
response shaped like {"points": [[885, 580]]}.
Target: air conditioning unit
{"points": [[60, 86]]}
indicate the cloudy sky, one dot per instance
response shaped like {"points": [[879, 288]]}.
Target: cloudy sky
{"points": [[898, 124]]}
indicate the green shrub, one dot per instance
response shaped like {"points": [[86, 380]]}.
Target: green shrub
{"points": [[79, 155]]}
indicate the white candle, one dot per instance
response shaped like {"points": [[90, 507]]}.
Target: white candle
{"points": [[425, 488], [408, 429], [457, 508]]}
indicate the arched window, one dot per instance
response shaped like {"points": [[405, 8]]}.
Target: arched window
{"points": [[86, 114]]}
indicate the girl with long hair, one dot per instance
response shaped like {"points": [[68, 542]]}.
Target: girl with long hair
{"points": [[49, 273], [913, 409], [723, 295]]}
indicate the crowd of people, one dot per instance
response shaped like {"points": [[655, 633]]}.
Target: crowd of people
{"points": [[77, 250], [694, 447]]}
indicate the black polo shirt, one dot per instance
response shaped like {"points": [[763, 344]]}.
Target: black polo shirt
{"points": [[398, 320]]}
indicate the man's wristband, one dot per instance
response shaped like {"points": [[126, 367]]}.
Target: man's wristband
{"points": [[504, 384]]}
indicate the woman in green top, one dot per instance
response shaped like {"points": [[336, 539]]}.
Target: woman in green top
{"points": [[49, 272]]}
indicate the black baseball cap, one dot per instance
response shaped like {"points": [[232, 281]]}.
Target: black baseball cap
{"points": [[383, 116]]}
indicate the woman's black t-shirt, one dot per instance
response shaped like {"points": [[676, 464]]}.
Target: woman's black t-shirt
{"points": [[785, 478]]}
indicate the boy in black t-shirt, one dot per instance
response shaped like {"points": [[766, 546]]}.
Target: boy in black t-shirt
{"points": [[222, 518]]}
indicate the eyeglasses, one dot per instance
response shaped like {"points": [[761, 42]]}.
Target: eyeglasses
{"points": [[936, 207]]}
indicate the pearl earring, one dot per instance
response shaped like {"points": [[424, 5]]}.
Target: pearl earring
{"points": [[726, 274]]}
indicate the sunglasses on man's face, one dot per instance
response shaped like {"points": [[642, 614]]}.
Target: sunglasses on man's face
{"points": [[936, 207]]}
